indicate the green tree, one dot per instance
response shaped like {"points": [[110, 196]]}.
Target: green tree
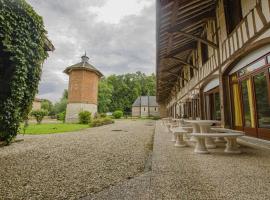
{"points": [[61, 106], [118, 92], [39, 115], [47, 105], [104, 96]]}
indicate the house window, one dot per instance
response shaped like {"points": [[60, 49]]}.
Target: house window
{"points": [[144, 109], [204, 49], [232, 8], [191, 72], [155, 109]]}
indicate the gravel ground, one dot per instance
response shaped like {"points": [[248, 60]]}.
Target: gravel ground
{"points": [[180, 174], [74, 165]]}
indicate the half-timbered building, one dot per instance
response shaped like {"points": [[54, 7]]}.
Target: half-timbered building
{"points": [[213, 62]]}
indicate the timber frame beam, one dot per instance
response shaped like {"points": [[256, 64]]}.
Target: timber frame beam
{"points": [[184, 62], [203, 17], [186, 47], [194, 37]]}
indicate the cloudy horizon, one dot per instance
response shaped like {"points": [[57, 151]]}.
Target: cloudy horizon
{"points": [[118, 36]]}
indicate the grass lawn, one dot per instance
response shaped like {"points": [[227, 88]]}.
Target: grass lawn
{"points": [[35, 129]]}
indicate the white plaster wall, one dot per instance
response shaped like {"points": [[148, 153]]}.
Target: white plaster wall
{"points": [[251, 57], [154, 112], [73, 110], [212, 84], [135, 111], [144, 112]]}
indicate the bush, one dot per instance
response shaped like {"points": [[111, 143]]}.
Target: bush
{"points": [[102, 121], [84, 117], [102, 115], [117, 114], [61, 116], [39, 115], [156, 118]]}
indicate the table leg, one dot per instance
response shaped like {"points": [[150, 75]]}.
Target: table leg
{"points": [[210, 144], [196, 129], [209, 141], [219, 140], [179, 140], [173, 139], [232, 146], [200, 147], [168, 127]]}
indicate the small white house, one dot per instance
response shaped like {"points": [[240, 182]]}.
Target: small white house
{"points": [[145, 106]]}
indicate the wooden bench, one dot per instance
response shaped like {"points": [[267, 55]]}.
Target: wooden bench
{"points": [[231, 146], [179, 139]]}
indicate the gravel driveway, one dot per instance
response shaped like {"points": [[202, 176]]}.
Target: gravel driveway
{"points": [[73, 165]]}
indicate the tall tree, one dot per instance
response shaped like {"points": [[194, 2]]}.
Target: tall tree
{"points": [[104, 96], [118, 92]]}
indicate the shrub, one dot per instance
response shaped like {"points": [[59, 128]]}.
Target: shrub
{"points": [[102, 121], [84, 117], [61, 116], [156, 117], [39, 115], [103, 115], [117, 114]]}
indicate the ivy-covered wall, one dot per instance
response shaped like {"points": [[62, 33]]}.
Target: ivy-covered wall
{"points": [[22, 52]]}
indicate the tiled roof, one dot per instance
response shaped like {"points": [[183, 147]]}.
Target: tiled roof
{"points": [[145, 101], [83, 65]]}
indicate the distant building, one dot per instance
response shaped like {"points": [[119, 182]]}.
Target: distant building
{"points": [[36, 104], [82, 90], [145, 106]]}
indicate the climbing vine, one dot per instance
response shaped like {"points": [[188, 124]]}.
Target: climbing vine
{"points": [[22, 52]]}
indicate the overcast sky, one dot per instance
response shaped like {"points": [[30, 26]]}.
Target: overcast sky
{"points": [[118, 36]]}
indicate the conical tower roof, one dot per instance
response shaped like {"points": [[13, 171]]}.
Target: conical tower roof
{"points": [[84, 65]]}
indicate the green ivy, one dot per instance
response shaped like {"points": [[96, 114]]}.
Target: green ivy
{"points": [[22, 52]]}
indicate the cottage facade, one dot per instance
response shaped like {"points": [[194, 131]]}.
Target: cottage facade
{"points": [[145, 106]]}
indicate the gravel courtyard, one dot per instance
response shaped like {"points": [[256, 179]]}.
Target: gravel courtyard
{"points": [[74, 165]]}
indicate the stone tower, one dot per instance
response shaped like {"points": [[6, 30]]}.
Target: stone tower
{"points": [[82, 89]]}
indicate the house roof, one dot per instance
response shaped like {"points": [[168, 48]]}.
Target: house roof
{"points": [[83, 65], [179, 25], [48, 45], [145, 101]]}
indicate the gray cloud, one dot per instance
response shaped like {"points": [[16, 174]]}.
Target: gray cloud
{"points": [[125, 47]]}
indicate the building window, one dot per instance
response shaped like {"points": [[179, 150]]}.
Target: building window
{"points": [[232, 8], [191, 72], [143, 109], [204, 51], [155, 109]]}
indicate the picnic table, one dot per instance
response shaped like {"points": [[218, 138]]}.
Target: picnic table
{"points": [[203, 126]]}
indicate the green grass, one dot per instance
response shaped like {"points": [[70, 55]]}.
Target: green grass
{"points": [[35, 129]]}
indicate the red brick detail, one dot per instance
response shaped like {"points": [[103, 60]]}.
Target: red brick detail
{"points": [[83, 87]]}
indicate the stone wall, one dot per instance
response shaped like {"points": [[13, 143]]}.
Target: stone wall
{"points": [[154, 111], [73, 110], [36, 105], [136, 111]]}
